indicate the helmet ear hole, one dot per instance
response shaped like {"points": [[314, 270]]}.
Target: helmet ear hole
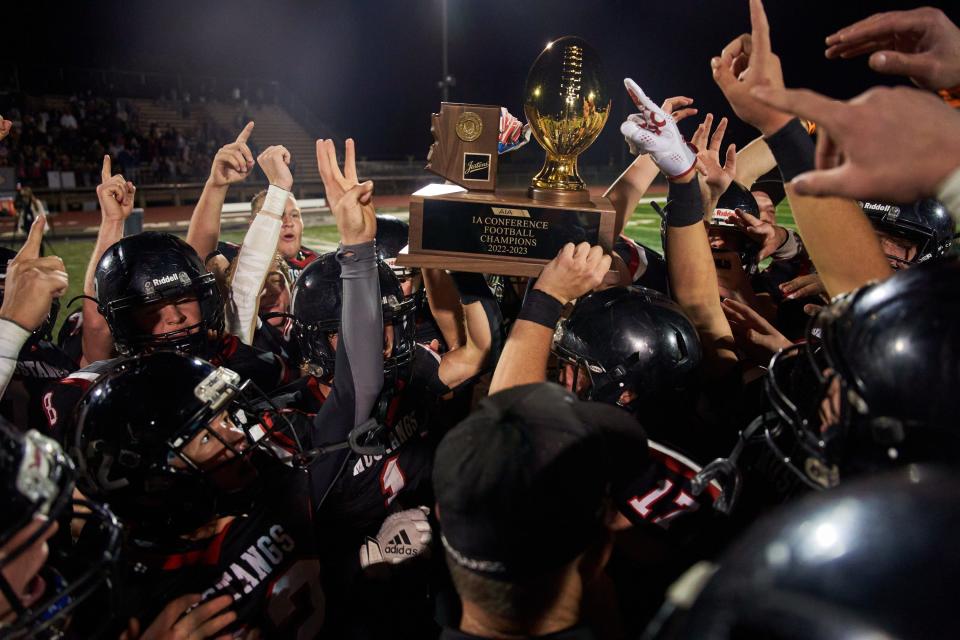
{"points": [[681, 346]]}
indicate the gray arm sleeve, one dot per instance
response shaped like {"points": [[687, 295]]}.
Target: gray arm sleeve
{"points": [[361, 325]]}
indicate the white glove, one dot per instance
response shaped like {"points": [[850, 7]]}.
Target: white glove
{"points": [[654, 132], [402, 536]]}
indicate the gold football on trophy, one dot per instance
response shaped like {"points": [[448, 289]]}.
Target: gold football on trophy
{"points": [[566, 102]]}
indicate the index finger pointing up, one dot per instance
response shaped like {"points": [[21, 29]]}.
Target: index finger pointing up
{"points": [[245, 134], [31, 248], [760, 28], [106, 170]]}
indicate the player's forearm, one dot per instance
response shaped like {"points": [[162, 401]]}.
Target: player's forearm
{"points": [[627, 190], [525, 354], [361, 326], [445, 306], [524, 357], [753, 161], [840, 241], [837, 235], [481, 320], [693, 276], [253, 263], [204, 230], [95, 333], [12, 339]]}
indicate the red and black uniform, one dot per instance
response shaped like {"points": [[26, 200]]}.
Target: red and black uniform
{"points": [[39, 364], [267, 560], [267, 370], [300, 261], [279, 340], [646, 267]]}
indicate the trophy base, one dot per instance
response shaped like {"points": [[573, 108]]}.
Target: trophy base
{"points": [[505, 232], [559, 196]]}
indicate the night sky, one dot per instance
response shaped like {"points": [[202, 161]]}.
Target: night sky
{"points": [[369, 69]]}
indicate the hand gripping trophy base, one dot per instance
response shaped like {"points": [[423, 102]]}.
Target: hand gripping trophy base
{"points": [[559, 182]]}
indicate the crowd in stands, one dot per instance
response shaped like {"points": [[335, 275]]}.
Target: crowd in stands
{"points": [[75, 137]]}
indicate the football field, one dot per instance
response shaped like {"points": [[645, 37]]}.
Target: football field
{"points": [[644, 224], [644, 227]]}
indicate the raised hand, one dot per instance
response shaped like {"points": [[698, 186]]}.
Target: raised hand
{"points": [[804, 287], [854, 139], [186, 619], [748, 62], [116, 195], [678, 107], [922, 44], [714, 176], [233, 161], [350, 201], [5, 127], [753, 334], [654, 131], [576, 271], [770, 236], [32, 282], [275, 162]]}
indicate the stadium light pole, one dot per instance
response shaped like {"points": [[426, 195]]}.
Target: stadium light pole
{"points": [[448, 80]]}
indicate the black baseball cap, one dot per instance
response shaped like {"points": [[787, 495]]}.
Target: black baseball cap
{"points": [[521, 484]]}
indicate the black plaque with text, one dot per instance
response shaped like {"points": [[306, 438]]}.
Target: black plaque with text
{"points": [[528, 232]]}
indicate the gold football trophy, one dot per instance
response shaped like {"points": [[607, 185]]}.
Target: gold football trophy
{"points": [[566, 103], [478, 227]]}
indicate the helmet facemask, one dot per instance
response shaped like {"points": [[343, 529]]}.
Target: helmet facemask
{"points": [[121, 316], [83, 553]]}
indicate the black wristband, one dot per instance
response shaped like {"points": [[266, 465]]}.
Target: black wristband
{"points": [[541, 308], [685, 205], [472, 287], [793, 149]]}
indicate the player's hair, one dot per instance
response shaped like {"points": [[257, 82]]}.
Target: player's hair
{"points": [[521, 602]]}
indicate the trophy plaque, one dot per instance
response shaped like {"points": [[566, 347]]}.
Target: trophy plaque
{"points": [[465, 150], [475, 227]]}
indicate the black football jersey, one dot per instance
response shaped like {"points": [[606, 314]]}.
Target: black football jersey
{"points": [[267, 560], [39, 364]]}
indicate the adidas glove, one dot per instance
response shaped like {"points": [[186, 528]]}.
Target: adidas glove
{"points": [[654, 132], [403, 535]]}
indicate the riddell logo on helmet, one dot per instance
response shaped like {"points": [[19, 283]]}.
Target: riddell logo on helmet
{"points": [[181, 277]]}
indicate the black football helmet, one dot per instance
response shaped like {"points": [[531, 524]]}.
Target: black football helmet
{"points": [[875, 385], [720, 221], [38, 481], [45, 330], [133, 428], [149, 268], [628, 338], [875, 559], [393, 234], [927, 223], [317, 298]]}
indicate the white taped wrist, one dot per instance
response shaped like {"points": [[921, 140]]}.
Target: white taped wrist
{"points": [[12, 339], [949, 194], [256, 257], [275, 201]]}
